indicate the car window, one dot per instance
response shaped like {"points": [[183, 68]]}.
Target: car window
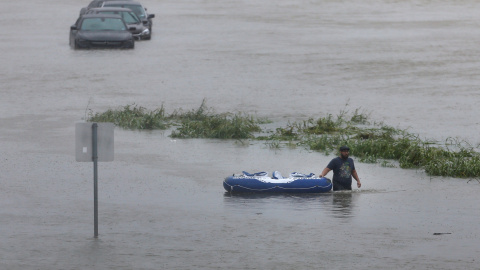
{"points": [[138, 9], [102, 24], [128, 17]]}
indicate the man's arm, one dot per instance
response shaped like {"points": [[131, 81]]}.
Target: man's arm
{"points": [[324, 172], [355, 175]]}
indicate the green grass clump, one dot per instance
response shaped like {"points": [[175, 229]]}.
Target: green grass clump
{"points": [[199, 123], [204, 122], [323, 125], [202, 113], [462, 167], [385, 145], [218, 126], [133, 117]]}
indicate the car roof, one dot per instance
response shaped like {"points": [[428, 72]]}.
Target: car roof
{"points": [[111, 9], [124, 2], [102, 1], [101, 15], [107, 0]]}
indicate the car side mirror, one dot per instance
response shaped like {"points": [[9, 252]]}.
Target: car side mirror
{"points": [[73, 27], [150, 16]]}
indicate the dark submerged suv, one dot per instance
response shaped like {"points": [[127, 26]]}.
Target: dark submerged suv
{"points": [[101, 31], [136, 7], [131, 19]]}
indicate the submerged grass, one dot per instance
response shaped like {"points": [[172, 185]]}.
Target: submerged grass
{"points": [[218, 126], [382, 144], [370, 143], [203, 122], [133, 117]]}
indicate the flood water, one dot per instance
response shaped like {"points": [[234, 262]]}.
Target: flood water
{"points": [[410, 64]]}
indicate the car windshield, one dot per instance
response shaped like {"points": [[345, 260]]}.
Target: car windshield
{"points": [[103, 24], [138, 9], [128, 16]]}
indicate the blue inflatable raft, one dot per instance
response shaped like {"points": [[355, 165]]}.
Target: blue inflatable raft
{"points": [[262, 183]]}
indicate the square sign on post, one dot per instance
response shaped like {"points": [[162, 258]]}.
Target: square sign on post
{"points": [[84, 140], [94, 143]]}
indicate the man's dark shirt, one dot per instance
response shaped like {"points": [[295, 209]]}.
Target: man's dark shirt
{"points": [[342, 173]]}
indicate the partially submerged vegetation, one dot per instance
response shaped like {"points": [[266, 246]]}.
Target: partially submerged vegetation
{"points": [[133, 117], [369, 142], [205, 123]]}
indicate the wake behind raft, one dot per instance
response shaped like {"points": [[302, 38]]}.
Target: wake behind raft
{"points": [[261, 183]]}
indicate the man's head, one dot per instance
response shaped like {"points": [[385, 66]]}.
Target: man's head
{"points": [[344, 152]]}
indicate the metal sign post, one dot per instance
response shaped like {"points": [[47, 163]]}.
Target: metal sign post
{"points": [[99, 138], [95, 177]]}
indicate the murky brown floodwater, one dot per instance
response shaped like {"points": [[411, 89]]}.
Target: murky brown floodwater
{"points": [[412, 64]]}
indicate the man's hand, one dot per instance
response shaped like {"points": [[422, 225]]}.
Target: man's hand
{"points": [[359, 185]]}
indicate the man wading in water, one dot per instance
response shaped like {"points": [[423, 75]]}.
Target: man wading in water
{"points": [[343, 170]]}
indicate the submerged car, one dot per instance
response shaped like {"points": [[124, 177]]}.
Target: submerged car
{"points": [[135, 7], [131, 19], [101, 31]]}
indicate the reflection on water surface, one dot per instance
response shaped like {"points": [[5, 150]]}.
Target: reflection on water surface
{"points": [[335, 204]]}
